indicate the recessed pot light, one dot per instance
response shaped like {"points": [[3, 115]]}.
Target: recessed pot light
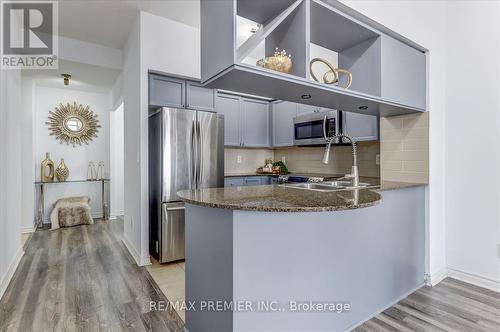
{"points": [[306, 96]]}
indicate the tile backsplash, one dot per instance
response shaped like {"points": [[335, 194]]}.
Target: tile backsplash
{"points": [[309, 159], [305, 159], [404, 146], [251, 159]]}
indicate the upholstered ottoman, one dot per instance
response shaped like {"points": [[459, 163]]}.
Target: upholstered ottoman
{"points": [[71, 211]]}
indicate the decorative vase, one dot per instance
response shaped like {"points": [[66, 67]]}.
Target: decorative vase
{"points": [[100, 171], [89, 171], [47, 169], [281, 62], [92, 171], [62, 172]]}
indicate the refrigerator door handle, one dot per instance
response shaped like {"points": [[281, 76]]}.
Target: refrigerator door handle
{"points": [[194, 153], [176, 208], [200, 155]]}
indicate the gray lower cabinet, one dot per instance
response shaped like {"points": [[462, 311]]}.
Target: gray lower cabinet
{"points": [[246, 120], [360, 127], [233, 181], [165, 91], [282, 114]]}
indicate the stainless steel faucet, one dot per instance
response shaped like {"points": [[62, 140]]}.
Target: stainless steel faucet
{"points": [[354, 175]]}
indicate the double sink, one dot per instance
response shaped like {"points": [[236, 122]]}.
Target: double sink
{"points": [[325, 186]]}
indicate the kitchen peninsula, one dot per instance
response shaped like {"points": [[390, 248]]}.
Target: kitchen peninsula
{"points": [[362, 249]]}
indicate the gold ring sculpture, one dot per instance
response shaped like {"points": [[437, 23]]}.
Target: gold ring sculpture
{"points": [[332, 71]]}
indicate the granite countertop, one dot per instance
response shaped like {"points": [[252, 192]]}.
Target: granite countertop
{"points": [[276, 198]]}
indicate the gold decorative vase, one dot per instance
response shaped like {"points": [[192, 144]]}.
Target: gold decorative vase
{"points": [[62, 172], [281, 62], [47, 169]]}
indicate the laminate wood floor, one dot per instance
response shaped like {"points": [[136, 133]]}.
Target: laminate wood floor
{"points": [[82, 279], [452, 305]]}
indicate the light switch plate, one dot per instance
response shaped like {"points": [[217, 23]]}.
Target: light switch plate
{"points": [[377, 159], [498, 250], [283, 159], [238, 159]]}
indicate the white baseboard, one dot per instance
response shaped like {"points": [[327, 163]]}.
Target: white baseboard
{"points": [[131, 250], [114, 215], [5, 280], [146, 261], [475, 279], [438, 276], [28, 229]]}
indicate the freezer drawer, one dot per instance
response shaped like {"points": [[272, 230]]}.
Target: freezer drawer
{"points": [[172, 232]]}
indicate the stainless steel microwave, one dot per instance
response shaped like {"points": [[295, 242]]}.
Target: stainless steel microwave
{"points": [[308, 127]]}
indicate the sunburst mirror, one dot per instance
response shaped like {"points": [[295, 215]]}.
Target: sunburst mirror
{"points": [[73, 124]]}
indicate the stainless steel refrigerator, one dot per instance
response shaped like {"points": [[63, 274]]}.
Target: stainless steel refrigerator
{"points": [[186, 151]]}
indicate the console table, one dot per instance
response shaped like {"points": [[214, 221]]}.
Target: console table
{"points": [[41, 210]]}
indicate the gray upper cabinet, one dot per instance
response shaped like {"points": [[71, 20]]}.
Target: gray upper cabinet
{"points": [[303, 108], [246, 120], [403, 73], [255, 124], [199, 97], [229, 105], [282, 114], [165, 91], [360, 127], [388, 71]]}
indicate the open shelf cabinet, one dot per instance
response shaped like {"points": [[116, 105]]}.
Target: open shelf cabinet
{"points": [[389, 75]]}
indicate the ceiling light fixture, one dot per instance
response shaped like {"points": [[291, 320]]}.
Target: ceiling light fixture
{"points": [[66, 78], [363, 107], [306, 96]]}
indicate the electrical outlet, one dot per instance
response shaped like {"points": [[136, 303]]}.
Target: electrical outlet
{"points": [[377, 159], [283, 159], [238, 159]]}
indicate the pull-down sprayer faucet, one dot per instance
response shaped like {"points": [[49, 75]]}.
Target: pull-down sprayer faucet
{"points": [[354, 175]]}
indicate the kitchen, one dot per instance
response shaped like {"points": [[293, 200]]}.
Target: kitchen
{"points": [[280, 157], [288, 165]]}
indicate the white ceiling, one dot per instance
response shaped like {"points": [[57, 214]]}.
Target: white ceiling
{"points": [[84, 77], [107, 22]]}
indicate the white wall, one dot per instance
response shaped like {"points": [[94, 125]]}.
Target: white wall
{"points": [[76, 158], [10, 175], [27, 156], [158, 44], [116, 139], [89, 53], [472, 142], [424, 23], [170, 46], [132, 126]]}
